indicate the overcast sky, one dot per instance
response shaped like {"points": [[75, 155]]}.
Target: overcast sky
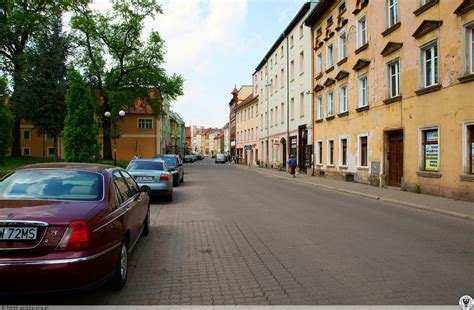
{"points": [[215, 44]]}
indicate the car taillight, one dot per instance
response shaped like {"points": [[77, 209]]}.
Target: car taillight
{"points": [[77, 236], [164, 177]]}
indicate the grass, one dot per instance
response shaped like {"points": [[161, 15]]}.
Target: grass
{"points": [[11, 163]]}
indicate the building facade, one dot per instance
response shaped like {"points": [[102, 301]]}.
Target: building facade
{"points": [[246, 130], [283, 81], [393, 93], [238, 95]]}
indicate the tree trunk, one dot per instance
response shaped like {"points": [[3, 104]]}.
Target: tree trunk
{"points": [[106, 143], [56, 149], [16, 145]]}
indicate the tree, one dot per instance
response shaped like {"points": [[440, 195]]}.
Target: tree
{"points": [[118, 65], [6, 121], [80, 129], [19, 21], [42, 88]]}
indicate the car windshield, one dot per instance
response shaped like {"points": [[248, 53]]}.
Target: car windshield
{"points": [[145, 165], [52, 184], [170, 161], [220, 156]]}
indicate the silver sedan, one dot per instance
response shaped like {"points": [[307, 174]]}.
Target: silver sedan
{"points": [[153, 174]]}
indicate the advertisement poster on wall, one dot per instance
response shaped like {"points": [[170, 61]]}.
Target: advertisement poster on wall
{"points": [[293, 150], [431, 157]]}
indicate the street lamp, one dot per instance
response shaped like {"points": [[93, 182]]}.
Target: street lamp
{"points": [[121, 114]]}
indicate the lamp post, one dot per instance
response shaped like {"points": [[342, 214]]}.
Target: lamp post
{"points": [[121, 114]]}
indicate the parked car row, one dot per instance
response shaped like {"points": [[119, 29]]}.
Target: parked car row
{"points": [[69, 226]]}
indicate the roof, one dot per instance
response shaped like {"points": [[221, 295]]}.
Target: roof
{"points": [[318, 12], [219, 135], [250, 98], [71, 166], [301, 13], [140, 107]]}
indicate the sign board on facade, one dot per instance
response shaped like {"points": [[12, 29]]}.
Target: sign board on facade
{"points": [[431, 157], [232, 143], [248, 147], [375, 167]]}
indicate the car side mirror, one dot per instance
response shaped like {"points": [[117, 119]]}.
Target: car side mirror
{"points": [[145, 189]]}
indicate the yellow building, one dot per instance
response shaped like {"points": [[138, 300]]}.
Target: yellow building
{"points": [[393, 93], [247, 130], [36, 145]]}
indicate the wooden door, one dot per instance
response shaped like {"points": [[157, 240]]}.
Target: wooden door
{"points": [[395, 159]]}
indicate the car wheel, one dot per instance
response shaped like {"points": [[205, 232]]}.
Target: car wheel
{"points": [[182, 179], [120, 276], [146, 223], [176, 184]]}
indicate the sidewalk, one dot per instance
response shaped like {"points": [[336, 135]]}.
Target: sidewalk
{"points": [[460, 209]]}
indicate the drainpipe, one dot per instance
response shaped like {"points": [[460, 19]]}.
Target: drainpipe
{"points": [[267, 116], [288, 144], [312, 101]]}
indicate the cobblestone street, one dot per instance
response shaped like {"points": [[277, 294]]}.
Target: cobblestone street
{"points": [[230, 239]]}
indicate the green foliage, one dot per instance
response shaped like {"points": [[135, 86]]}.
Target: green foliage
{"points": [[417, 189], [42, 87], [80, 130], [6, 122], [118, 64]]}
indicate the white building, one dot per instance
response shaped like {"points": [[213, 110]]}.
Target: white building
{"points": [[226, 139], [283, 80]]}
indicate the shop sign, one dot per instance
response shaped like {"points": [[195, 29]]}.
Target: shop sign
{"points": [[431, 157], [232, 143], [248, 147]]}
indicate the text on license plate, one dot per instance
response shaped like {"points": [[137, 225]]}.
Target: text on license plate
{"points": [[18, 233], [144, 178]]}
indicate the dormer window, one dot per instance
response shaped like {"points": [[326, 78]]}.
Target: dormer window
{"points": [[319, 32], [342, 8], [329, 21]]}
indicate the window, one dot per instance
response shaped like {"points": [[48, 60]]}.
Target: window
{"points": [[470, 148], [291, 42], [301, 62], [51, 151], [276, 58], [342, 46], [429, 55], [392, 12], [319, 109], [330, 152], [50, 137], [292, 108], [470, 48], [320, 152], [319, 32], [361, 31], [302, 104], [25, 151], [271, 87], [276, 82], [430, 149], [282, 112], [276, 116], [342, 8], [266, 120], [271, 63], [330, 104], [319, 63], [26, 135], [134, 188], [330, 56], [123, 190], [145, 123], [329, 21], [394, 78], [282, 82], [362, 92], [271, 117], [261, 121], [292, 69], [301, 31], [100, 123], [343, 152], [343, 99], [281, 51], [363, 152]]}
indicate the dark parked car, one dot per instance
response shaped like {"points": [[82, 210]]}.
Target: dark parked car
{"points": [[68, 226], [155, 174], [175, 164], [188, 158]]}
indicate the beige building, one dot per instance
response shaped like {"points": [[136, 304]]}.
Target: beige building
{"points": [[393, 93], [247, 130]]}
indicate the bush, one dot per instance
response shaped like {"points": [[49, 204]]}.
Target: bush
{"points": [[6, 122]]}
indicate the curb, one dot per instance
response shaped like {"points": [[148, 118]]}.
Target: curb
{"points": [[370, 196]]}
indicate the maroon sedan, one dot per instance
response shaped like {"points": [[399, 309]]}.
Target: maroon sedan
{"points": [[68, 227]]}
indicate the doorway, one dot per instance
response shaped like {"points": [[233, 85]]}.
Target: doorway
{"points": [[395, 158], [283, 147]]}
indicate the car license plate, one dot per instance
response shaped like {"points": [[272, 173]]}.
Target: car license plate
{"points": [[18, 233], [146, 179]]}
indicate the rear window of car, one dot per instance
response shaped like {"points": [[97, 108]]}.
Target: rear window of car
{"points": [[220, 156], [56, 184], [170, 161], [145, 165]]}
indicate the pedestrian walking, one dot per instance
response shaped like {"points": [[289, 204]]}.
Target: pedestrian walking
{"points": [[292, 165]]}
